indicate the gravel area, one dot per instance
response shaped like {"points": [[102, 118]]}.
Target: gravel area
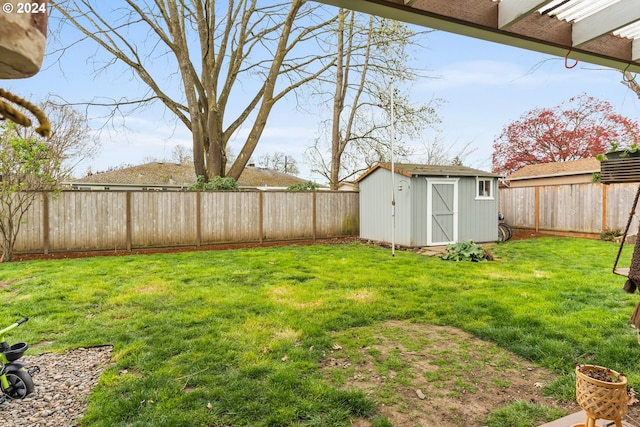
{"points": [[61, 388]]}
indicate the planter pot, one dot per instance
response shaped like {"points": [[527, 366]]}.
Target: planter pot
{"points": [[620, 167], [622, 154], [601, 399], [24, 38]]}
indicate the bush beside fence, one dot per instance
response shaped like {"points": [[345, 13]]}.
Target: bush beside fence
{"points": [[126, 220]]}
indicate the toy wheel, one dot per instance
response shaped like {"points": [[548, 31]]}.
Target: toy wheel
{"points": [[504, 232], [20, 384], [501, 235]]}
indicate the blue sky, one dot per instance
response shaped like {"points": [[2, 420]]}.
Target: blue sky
{"points": [[485, 86]]}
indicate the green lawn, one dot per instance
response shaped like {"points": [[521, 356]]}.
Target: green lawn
{"points": [[235, 338]]}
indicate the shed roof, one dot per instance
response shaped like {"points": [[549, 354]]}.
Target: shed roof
{"points": [[553, 169], [416, 169], [156, 173]]}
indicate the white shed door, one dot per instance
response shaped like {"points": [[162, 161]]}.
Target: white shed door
{"points": [[442, 211]]}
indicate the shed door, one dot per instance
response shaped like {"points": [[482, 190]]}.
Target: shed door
{"points": [[442, 211]]}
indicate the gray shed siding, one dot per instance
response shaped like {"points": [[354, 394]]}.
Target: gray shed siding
{"points": [[375, 209], [404, 210], [477, 220], [419, 220]]}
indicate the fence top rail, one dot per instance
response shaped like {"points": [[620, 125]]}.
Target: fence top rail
{"points": [[185, 190]]}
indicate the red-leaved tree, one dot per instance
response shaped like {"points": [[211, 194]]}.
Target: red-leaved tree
{"points": [[580, 128]]}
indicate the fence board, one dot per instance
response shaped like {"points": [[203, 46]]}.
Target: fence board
{"points": [[288, 215], [583, 208], [105, 220], [230, 216], [337, 214], [86, 221], [518, 205], [31, 235], [163, 218], [572, 207], [619, 203]]}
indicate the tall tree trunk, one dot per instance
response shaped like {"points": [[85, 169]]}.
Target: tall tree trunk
{"points": [[338, 106], [341, 135], [268, 99], [198, 138]]}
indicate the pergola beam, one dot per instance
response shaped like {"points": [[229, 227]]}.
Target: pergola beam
{"points": [[612, 18], [511, 11], [517, 23]]}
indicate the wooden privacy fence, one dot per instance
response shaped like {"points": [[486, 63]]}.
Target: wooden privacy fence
{"points": [[588, 208], [124, 220]]}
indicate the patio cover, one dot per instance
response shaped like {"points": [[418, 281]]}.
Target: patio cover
{"points": [[603, 32]]}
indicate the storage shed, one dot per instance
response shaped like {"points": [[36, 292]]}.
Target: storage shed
{"points": [[434, 205]]}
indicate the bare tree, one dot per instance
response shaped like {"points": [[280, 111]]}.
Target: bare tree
{"points": [[181, 155], [212, 47], [280, 162], [372, 62], [71, 140], [436, 152]]}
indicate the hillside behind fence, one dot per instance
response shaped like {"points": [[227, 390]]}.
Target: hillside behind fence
{"points": [[126, 220], [588, 208]]}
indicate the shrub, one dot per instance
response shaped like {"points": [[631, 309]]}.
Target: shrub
{"points": [[465, 251], [609, 235], [307, 186], [216, 183]]}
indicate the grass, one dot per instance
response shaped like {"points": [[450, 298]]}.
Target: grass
{"points": [[522, 414], [236, 338]]}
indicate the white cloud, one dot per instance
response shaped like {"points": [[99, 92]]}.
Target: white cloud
{"points": [[489, 73]]}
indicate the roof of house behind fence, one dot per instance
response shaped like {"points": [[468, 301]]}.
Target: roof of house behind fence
{"points": [[173, 174], [545, 170], [413, 169]]}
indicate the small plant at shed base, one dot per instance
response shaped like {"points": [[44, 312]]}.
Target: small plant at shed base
{"points": [[609, 235], [466, 251]]}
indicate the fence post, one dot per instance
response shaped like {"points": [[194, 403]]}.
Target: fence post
{"points": [[604, 206], [315, 216], [45, 221], [537, 211], [128, 219], [198, 219], [261, 214]]}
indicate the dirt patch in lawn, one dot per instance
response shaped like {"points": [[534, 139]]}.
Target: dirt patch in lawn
{"points": [[425, 375], [6, 283]]}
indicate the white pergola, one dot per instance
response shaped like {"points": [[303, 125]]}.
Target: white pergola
{"points": [[603, 32]]}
